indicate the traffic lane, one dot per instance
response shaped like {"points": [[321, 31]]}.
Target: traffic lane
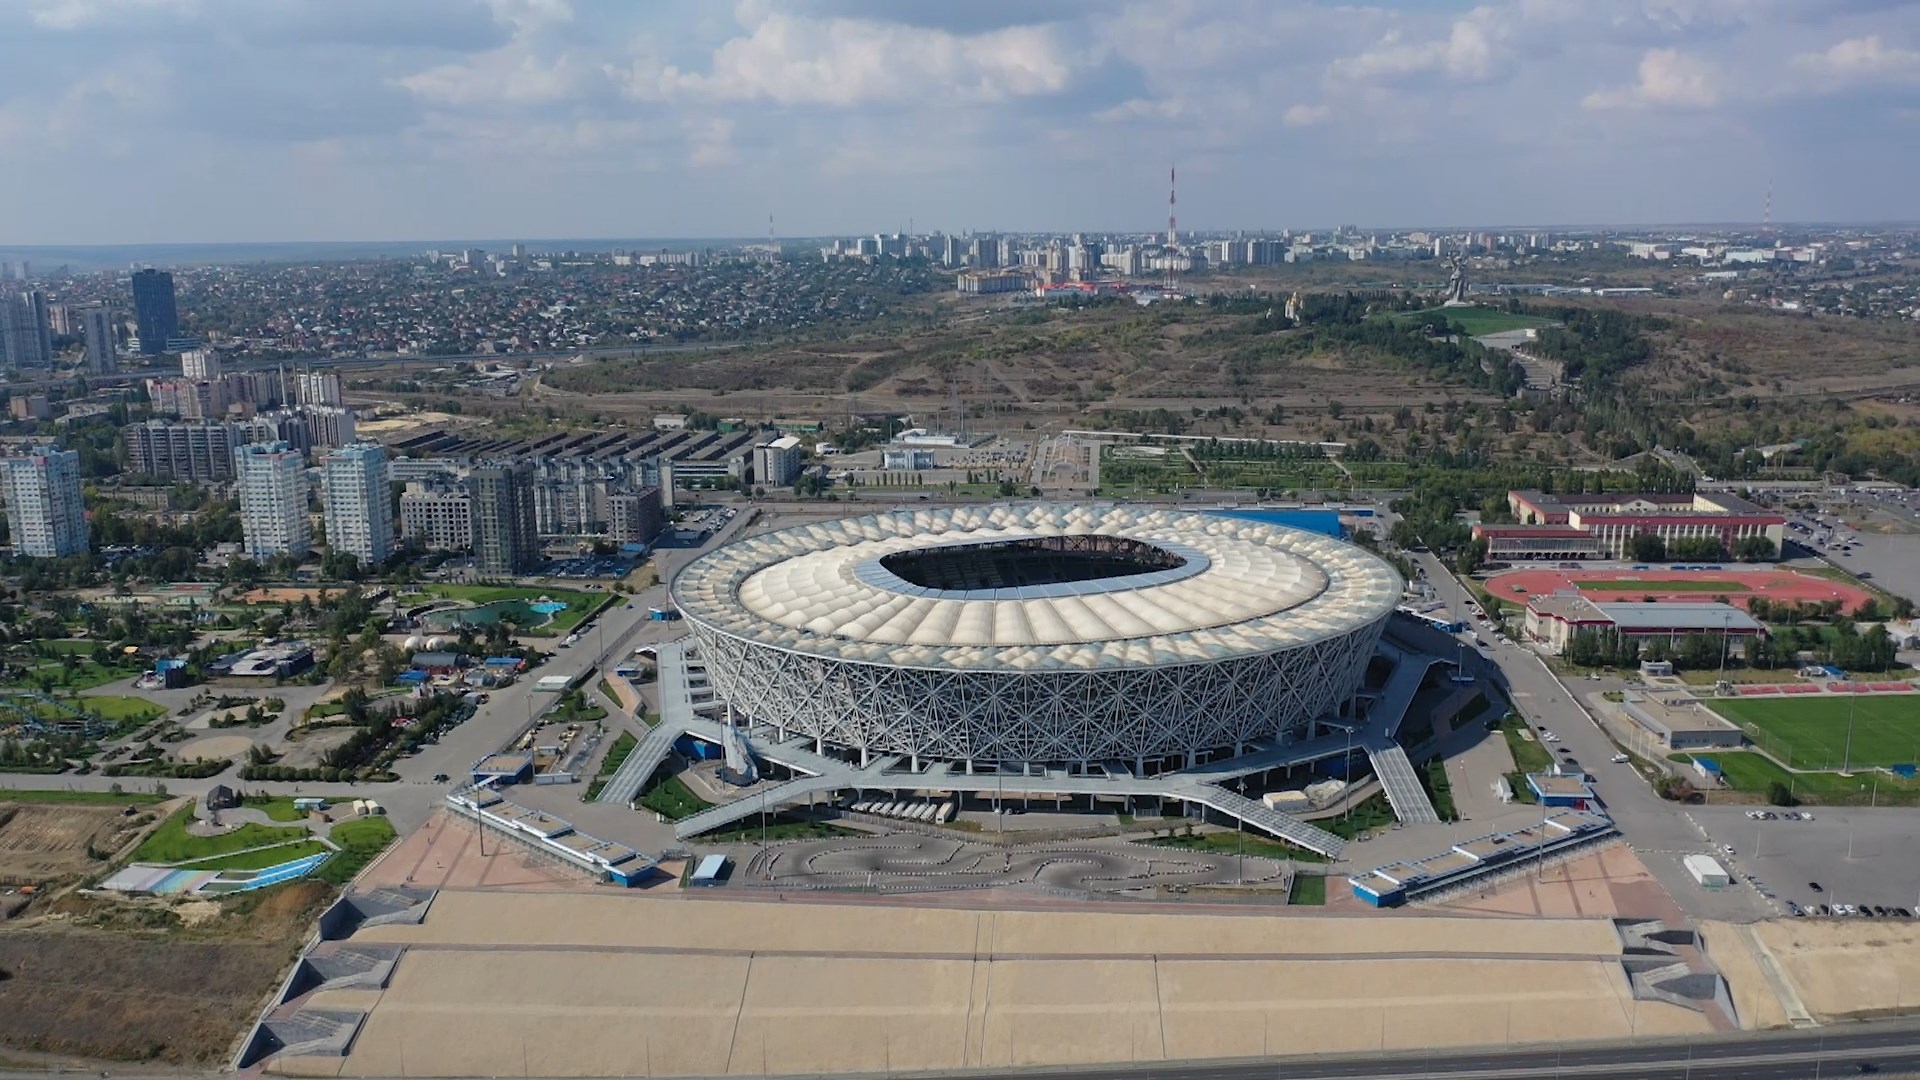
{"points": [[1892, 1048]]}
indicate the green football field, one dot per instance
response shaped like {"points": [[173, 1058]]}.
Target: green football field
{"points": [[1811, 732]]}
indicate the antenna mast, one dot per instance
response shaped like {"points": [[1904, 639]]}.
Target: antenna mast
{"points": [[1173, 228]]}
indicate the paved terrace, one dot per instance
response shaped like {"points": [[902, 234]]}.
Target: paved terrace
{"points": [[682, 686]]}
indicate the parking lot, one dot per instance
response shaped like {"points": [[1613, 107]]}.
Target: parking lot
{"points": [[1857, 856]]}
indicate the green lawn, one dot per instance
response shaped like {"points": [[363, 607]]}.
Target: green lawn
{"points": [[1529, 754], [673, 800], [1374, 813], [1658, 588], [1746, 771], [782, 827], [1308, 890], [617, 753], [1478, 320], [579, 604], [171, 843], [1811, 732], [1238, 843], [119, 707], [81, 798], [360, 840], [1439, 789], [260, 860]]}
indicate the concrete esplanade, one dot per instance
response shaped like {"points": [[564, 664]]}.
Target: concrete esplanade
{"points": [[1062, 634]]}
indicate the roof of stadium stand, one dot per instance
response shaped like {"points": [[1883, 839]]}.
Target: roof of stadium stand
{"points": [[1177, 587]]}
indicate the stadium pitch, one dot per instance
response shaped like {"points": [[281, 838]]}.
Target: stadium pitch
{"points": [[1811, 732]]}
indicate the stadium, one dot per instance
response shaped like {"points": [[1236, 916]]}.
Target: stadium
{"points": [[1062, 635]]}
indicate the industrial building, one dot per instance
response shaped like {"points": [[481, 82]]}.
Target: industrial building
{"points": [[777, 463], [1044, 633], [1604, 526], [1554, 620]]}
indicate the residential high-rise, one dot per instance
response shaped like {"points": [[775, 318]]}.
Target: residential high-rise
{"points": [[635, 517], [316, 387], [100, 327], [359, 502], [272, 482], [198, 363], [506, 539], [44, 512], [436, 518], [25, 339], [155, 314], [196, 451]]}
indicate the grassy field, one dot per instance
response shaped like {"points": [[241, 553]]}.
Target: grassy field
{"points": [[120, 707], [1478, 320], [1811, 732], [616, 755], [578, 603], [1658, 588], [1529, 755], [360, 840], [81, 798], [1238, 843], [260, 860], [673, 800], [782, 827], [1374, 813], [1750, 772], [1308, 890], [171, 843]]}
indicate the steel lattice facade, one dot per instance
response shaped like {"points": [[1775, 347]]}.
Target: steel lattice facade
{"points": [[1145, 713]]}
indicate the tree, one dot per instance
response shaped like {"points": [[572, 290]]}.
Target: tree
{"points": [[1755, 549], [1779, 793], [1647, 547]]}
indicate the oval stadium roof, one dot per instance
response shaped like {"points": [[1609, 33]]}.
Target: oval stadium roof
{"points": [[1228, 588]]}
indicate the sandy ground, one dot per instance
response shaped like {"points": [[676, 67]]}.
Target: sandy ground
{"points": [[216, 746], [668, 921], [1753, 996], [445, 854], [1608, 883], [1847, 967], [552, 983]]}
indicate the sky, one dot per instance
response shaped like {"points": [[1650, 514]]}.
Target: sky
{"points": [[177, 121]]}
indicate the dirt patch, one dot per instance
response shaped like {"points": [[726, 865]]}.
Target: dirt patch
{"points": [[39, 844], [150, 981], [218, 746], [289, 595]]}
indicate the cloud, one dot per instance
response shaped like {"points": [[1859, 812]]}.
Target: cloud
{"points": [[845, 63], [1668, 79], [508, 76], [1305, 115], [1470, 52], [80, 14], [1858, 60]]}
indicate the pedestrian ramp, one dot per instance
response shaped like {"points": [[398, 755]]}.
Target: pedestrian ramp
{"points": [[647, 756], [1402, 785], [1258, 815], [768, 800]]}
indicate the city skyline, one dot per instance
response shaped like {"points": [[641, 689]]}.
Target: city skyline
{"points": [[353, 122]]}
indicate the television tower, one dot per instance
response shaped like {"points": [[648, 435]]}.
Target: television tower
{"points": [[1173, 229]]}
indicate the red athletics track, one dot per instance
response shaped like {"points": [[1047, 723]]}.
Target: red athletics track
{"points": [[1780, 586]]}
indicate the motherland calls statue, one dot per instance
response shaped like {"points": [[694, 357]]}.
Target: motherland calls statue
{"points": [[1457, 284]]}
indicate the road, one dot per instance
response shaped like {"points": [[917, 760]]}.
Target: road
{"points": [[1889, 1048], [1660, 832]]}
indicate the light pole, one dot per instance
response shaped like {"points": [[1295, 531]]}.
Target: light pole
{"points": [[1846, 763]]}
